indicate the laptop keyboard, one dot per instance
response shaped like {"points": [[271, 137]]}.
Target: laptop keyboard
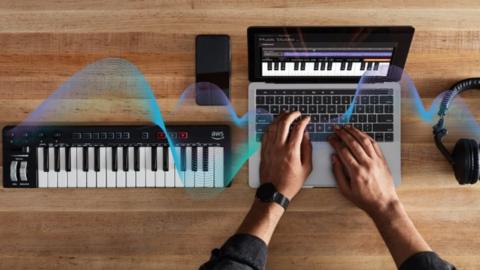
{"points": [[372, 112]]}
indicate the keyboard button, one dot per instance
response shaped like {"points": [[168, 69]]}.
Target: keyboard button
{"points": [[358, 126], [378, 108], [279, 100], [362, 118], [379, 137], [369, 109], [367, 127], [303, 109], [388, 109], [372, 118], [322, 109], [387, 118], [307, 100], [336, 99], [298, 100], [262, 109], [312, 109], [364, 100], [317, 100], [332, 109], [284, 108], [293, 108], [310, 128], [374, 100], [327, 100], [274, 109], [386, 99], [289, 100], [340, 108], [260, 100], [345, 100], [360, 109], [353, 118], [329, 127], [315, 118], [383, 127], [320, 127], [389, 137], [324, 118]]}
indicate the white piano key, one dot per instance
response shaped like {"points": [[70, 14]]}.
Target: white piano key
{"points": [[219, 167], [62, 174], [91, 174], [199, 174], [42, 176], [309, 69], [102, 173], [111, 175], [81, 174], [160, 173], [140, 175], [52, 174], [121, 174], [149, 174], [131, 180], [72, 174], [170, 174], [179, 175], [209, 177], [189, 174]]}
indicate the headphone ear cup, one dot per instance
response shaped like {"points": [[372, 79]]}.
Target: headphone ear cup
{"points": [[465, 161]]}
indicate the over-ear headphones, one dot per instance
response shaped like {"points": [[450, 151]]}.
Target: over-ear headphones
{"points": [[465, 158]]}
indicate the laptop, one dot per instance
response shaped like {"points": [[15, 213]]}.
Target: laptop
{"points": [[316, 70]]}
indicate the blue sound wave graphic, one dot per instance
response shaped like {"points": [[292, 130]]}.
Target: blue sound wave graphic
{"points": [[108, 80]]}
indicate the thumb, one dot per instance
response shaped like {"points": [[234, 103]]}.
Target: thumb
{"points": [[306, 151]]}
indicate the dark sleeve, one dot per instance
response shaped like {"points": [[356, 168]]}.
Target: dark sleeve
{"points": [[240, 252], [426, 261]]}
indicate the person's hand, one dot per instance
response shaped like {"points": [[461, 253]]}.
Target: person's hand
{"points": [[361, 171], [286, 158]]}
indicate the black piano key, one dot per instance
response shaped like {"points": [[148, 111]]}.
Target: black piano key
{"points": [[194, 158], [125, 158], [136, 158], [269, 66], [276, 66], [302, 66], [114, 159], [362, 66], [57, 158], [342, 66], [349, 65], [283, 66], [45, 159], [329, 66], [376, 65], [165, 158], [85, 159], [68, 161], [96, 158], [322, 66], [370, 65], [315, 66], [205, 159], [154, 158], [296, 65], [183, 159]]}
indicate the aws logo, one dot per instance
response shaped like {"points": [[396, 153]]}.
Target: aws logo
{"points": [[217, 135]]}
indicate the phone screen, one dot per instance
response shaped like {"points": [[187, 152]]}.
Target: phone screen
{"points": [[212, 69]]}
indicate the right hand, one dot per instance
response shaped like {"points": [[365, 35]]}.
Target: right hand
{"points": [[361, 172]]}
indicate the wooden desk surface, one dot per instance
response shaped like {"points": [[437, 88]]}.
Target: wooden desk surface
{"points": [[42, 43]]}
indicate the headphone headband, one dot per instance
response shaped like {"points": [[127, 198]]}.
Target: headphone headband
{"points": [[439, 129]]}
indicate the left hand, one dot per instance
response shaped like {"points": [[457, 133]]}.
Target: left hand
{"points": [[286, 158]]}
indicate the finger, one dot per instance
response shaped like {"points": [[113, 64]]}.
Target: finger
{"points": [[344, 154], [284, 126], [377, 149], [352, 144], [340, 177], [296, 136], [363, 139], [306, 153]]}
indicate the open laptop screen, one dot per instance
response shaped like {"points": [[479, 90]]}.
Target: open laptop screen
{"points": [[327, 54]]}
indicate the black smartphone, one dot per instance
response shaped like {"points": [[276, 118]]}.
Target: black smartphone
{"points": [[212, 69]]}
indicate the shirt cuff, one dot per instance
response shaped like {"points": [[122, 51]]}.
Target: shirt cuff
{"points": [[246, 249], [426, 261]]}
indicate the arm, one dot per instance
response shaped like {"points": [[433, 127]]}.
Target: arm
{"points": [[286, 162], [363, 177]]}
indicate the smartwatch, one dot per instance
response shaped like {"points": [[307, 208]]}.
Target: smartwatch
{"points": [[268, 193]]}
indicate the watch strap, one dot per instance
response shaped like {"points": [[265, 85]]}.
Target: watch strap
{"points": [[280, 199]]}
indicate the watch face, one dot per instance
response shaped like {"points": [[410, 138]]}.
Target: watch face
{"points": [[265, 192]]}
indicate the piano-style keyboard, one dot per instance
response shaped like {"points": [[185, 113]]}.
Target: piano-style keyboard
{"points": [[325, 68], [115, 156]]}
